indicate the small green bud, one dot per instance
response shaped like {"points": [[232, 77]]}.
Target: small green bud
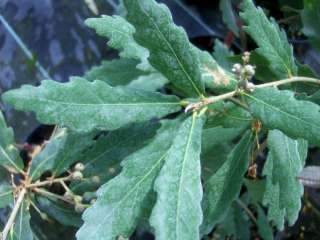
{"points": [[96, 179]]}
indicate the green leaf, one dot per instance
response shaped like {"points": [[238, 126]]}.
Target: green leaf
{"points": [[9, 154], [228, 115], [120, 201], [285, 160], [60, 153], [104, 157], [63, 213], [214, 76], [280, 110], [222, 54], [116, 72], [264, 229], [217, 143], [84, 106], [120, 33], [177, 214], [6, 190], [21, 229], [256, 189], [228, 15], [272, 41], [310, 19], [151, 82], [235, 225], [169, 47], [224, 186]]}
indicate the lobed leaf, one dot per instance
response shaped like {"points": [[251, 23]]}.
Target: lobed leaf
{"points": [[120, 201], [229, 16], [177, 213], [224, 186], [280, 110], [170, 51], [214, 76], [84, 106], [286, 159], [272, 41], [222, 54], [9, 154], [120, 32], [118, 72]]}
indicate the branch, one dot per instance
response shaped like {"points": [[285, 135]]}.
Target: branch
{"points": [[52, 195], [13, 215], [206, 101], [48, 182]]}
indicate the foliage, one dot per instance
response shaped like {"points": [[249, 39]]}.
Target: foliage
{"points": [[166, 137]]}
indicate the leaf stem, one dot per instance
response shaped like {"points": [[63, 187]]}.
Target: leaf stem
{"points": [[52, 195], [48, 182], [247, 210], [206, 101], [13, 214], [288, 80]]}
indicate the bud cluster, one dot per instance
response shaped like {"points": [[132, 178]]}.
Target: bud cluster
{"points": [[77, 172], [244, 72]]}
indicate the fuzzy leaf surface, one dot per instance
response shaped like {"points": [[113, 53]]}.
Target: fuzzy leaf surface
{"points": [[224, 186], [118, 72], [272, 41], [120, 32], [169, 47], [285, 160], [120, 201], [280, 110], [85, 106], [177, 214], [9, 154], [214, 76]]}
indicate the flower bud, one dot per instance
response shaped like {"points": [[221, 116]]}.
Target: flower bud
{"points": [[79, 167], [77, 175], [79, 208], [237, 68], [77, 199], [249, 70], [68, 196], [96, 179]]}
